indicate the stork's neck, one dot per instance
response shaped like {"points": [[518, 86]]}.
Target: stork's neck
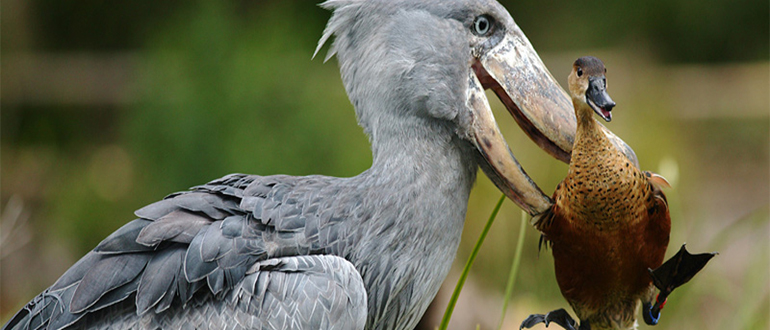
{"points": [[424, 165], [412, 147], [419, 185]]}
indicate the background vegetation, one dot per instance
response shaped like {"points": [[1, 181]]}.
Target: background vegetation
{"points": [[109, 106]]}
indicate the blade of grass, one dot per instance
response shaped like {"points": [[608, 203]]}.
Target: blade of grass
{"points": [[456, 294], [514, 267]]}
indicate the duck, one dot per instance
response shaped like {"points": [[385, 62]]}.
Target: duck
{"points": [[609, 226]]}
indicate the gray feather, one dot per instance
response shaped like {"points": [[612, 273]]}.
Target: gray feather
{"points": [[156, 210], [232, 226], [125, 239], [230, 185], [216, 281], [61, 316], [177, 226], [195, 268], [158, 279], [187, 289], [116, 295], [40, 314], [78, 270], [214, 243], [208, 204], [110, 273], [167, 299]]}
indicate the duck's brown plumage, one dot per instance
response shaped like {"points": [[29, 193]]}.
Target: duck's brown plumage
{"points": [[608, 225]]}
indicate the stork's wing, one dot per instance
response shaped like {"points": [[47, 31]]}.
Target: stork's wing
{"points": [[199, 248]]}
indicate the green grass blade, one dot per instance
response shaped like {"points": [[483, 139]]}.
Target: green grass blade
{"points": [[459, 287], [514, 267]]}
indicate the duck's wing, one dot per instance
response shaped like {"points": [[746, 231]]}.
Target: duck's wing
{"points": [[658, 219], [236, 239]]}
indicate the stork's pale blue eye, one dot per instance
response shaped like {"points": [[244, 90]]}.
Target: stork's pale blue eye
{"points": [[482, 25]]}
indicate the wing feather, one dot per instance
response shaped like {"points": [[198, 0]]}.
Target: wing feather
{"points": [[156, 283], [177, 226], [195, 267], [193, 248], [108, 274], [124, 240]]}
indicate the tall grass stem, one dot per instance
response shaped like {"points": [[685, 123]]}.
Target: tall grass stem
{"points": [[459, 287], [514, 267]]}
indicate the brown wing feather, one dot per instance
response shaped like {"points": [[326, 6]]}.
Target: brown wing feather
{"points": [[658, 227]]}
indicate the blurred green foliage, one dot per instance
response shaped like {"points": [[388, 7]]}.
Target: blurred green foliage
{"points": [[208, 69], [677, 31], [680, 31]]}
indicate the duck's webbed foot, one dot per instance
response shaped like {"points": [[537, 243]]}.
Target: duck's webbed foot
{"points": [[559, 316], [670, 275], [651, 313]]}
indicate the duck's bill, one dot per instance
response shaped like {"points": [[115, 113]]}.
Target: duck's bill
{"points": [[598, 99], [603, 112], [514, 71]]}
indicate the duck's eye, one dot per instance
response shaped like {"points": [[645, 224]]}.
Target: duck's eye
{"points": [[482, 25], [579, 72]]}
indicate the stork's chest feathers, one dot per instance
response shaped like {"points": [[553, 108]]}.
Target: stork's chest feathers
{"points": [[602, 186]]}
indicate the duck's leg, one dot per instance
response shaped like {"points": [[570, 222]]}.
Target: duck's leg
{"points": [[670, 275], [559, 316]]}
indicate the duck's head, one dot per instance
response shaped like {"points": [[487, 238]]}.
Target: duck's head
{"points": [[588, 86]]}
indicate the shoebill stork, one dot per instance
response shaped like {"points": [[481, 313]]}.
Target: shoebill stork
{"points": [[318, 252]]}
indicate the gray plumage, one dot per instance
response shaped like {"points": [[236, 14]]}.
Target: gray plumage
{"points": [[315, 252], [258, 242]]}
